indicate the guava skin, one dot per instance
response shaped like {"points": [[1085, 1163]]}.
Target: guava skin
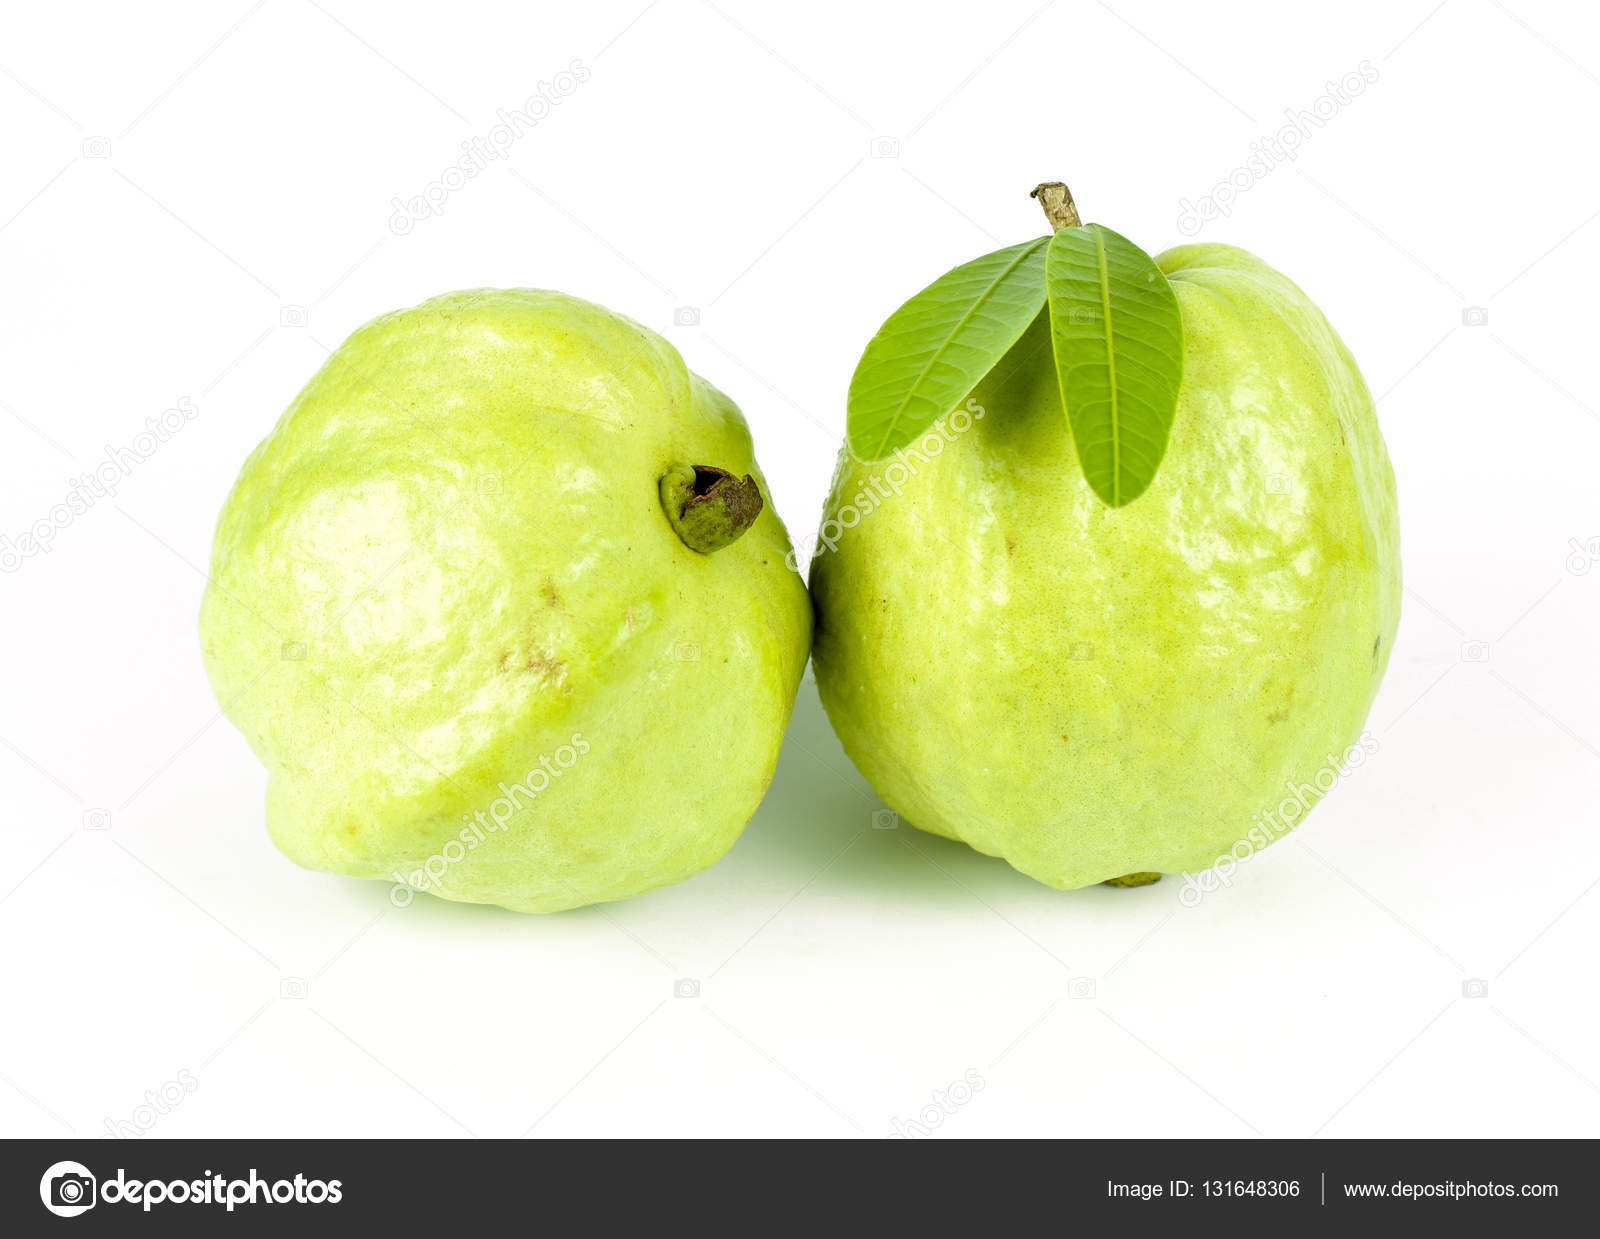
{"points": [[452, 618], [1094, 694]]}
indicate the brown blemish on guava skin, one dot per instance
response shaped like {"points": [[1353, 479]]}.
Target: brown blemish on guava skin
{"points": [[546, 668], [1278, 716], [1011, 544], [541, 666]]}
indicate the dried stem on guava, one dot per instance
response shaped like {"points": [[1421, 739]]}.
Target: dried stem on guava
{"points": [[1059, 209]]}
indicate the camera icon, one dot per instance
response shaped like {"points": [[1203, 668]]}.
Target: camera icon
{"points": [[1584, 555], [294, 987], [1082, 652], [293, 652], [1474, 651], [885, 148], [489, 483], [97, 148], [67, 1189], [72, 1189], [1278, 484], [97, 819], [1081, 987], [686, 316], [1475, 316], [293, 316], [1474, 987], [885, 819], [401, 895], [1083, 316], [686, 652], [686, 987]]}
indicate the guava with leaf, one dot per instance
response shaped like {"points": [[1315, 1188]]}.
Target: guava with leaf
{"points": [[1109, 574], [502, 608]]}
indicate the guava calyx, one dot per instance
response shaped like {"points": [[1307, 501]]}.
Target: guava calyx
{"points": [[1133, 879], [709, 508]]}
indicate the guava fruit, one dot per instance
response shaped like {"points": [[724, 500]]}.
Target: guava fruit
{"points": [[1109, 694], [502, 610]]}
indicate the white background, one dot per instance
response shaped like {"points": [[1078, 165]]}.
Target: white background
{"points": [[195, 205]]}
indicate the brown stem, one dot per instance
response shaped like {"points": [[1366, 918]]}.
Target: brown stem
{"points": [[1059, 209]]}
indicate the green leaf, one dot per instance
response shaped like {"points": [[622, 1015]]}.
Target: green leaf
{"points": [[1118, 341], [936, 347]]}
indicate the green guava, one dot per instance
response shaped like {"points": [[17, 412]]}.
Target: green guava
{"points": [[502, 610], [1101, 694]]}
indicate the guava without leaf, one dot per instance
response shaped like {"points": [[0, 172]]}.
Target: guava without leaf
{"points": [[1101, 694], [500, 607]]}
